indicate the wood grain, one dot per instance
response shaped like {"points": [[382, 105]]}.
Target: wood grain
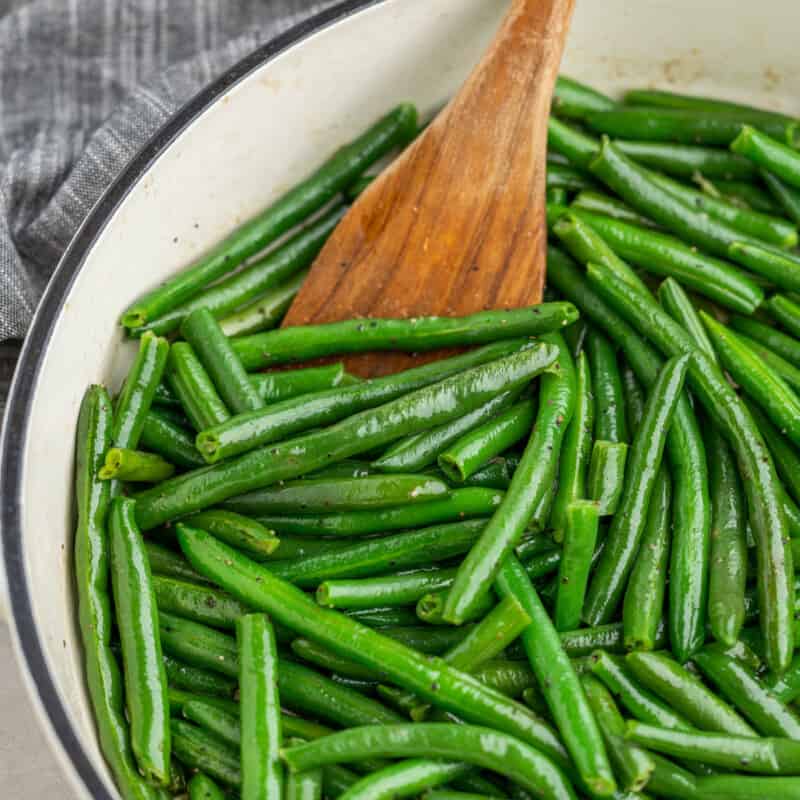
{"points": [[457, 223]]}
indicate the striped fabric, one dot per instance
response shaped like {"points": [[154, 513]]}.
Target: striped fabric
{"points": [[83, 85]]}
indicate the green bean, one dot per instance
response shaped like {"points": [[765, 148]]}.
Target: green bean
{"points": [[359, 433], [358, 187], [496, 474], [532, 481], [533, 545], [761, 484], [198, 645], [679, 306], [633, 765], [103, 678], [463, 458], [573, 469], [786, 687], [431, 679], [323, 495], [398, 127], [294, 415], [740, 687], [774, 230], [743, 787], [764, 149], [387, 590], [217, 355], [634, 397], [684, 445], [785, 346], [162, 436], [627, 527], [667, 256], [769, 756], [337, 780], [278, 266], [665, 99], [776, 363], [322, 658], [687, 160], [216, 720], [607, 206], [349, 468], [241, 532], [262, 772], [684, 125], [610, 422], [137, 623], [575, 100], [134, 465], [447, 794], [185, 676], [776, 266], [556, 194], [404, 779], [164, 561], [584, 641], [558, 682], [635, 185], [193, 386], [178, 698], [776, 398], [640, 702], [788, 197], [745, 194], [606, 476], [576, 146], [560, 176], [686, 694], [375, 556], [416, 452], [669, 780], [467, 743], [297, 726], [426, 638], [431, 606], [276, 386], [460, 504], [498, 629], [691, 537], [512, 678], [201, 787], [416, 335], [580, 535], [575, 336], [585, 244], [136, 397], [643, 605], [384, 616], [202, 751], [198, 603], [728, 572], [303, 785], [303, 689], [786, 313]]}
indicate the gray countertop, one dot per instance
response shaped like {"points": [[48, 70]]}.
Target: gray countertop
{"points": [[28, 768]]}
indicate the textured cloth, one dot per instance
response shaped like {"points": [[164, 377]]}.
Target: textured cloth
{"points": [[83, 85]]}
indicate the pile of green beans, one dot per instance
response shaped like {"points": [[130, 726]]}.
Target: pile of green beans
{"points": [[557, 564]]}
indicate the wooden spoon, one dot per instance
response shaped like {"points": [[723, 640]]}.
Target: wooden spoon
{"points": [[456, 224]]}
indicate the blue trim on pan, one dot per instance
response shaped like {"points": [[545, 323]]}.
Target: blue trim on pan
{"points": [[18, 409]]}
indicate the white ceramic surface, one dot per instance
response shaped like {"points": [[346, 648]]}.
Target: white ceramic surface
{"points": [[228, 160]]}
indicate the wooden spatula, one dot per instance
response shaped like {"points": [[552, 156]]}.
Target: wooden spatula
{"points": [[457, 223]]}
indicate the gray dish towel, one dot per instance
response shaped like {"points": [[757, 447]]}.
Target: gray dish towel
{"points": [[83, 85]]}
